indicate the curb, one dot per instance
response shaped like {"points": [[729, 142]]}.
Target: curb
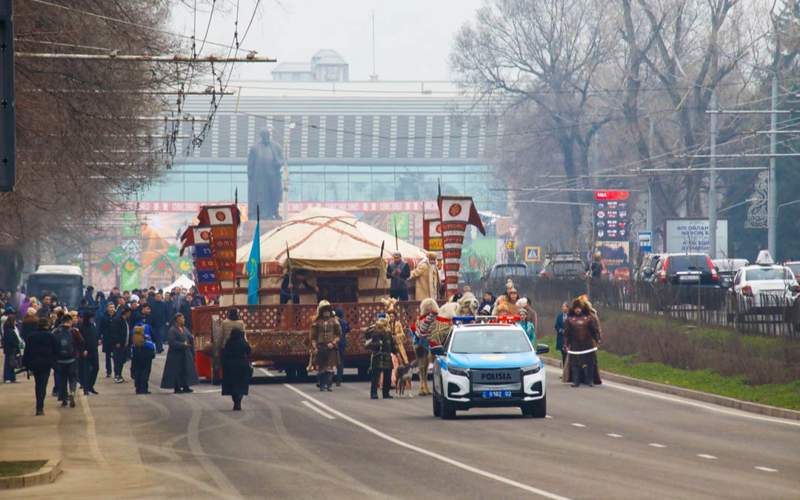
{"points": [[46, 475], [771, 411]]}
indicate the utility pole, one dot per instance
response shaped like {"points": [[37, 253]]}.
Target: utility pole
{"points": [[649, 223], [7, 99], [712, 180], [772, 192]]}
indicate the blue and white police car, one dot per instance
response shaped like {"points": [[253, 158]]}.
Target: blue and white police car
{"points": [[488, 365]]}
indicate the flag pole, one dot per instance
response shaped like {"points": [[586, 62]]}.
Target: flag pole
{"points": [[380, 268]]}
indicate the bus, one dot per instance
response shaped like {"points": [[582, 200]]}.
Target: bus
{"points": [[65, 282]]}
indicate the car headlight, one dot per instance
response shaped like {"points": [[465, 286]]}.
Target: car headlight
{"points": [[458, 371], [530, 370]]}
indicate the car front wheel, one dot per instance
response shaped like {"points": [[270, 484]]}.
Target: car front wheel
{"points": [[537, 409], [437, 410], [446, 409]]}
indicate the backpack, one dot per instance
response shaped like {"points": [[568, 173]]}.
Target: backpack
{"points": [[138, 336], [66, 344]]}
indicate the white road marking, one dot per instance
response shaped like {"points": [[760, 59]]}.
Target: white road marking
{"points": [[657, 445], [706, 456], [613, 435], [422, 451], [576, 424], [91, 433], [547, 416], [765, 469], [266, 372], [324, 414], [207, 391]]}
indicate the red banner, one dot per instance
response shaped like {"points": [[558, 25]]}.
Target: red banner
{"points": [[455, 213]]}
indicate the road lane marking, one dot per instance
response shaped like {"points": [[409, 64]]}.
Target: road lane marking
{"points": [[765, 469], [91, 433], [576, 424], [266, 372], [613, 435], [689, 402], [422, 451], [548, 416], [706, 456], [657, 445], [312, 407]]}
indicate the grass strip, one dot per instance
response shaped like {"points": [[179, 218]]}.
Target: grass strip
{"points": [[20, 467], [781, 395]]}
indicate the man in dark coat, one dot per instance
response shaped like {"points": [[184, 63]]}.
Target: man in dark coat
{"points": [[118, 334], [185, 309], [236, 368], [581, 338], [11, 344], [70, 348], [104, 333], [39, 357], [380, 342], [179, 370], [90, 361], [158, 320], [398, 273]]}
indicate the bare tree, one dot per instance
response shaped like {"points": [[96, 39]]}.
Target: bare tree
{"points": [[548, 53]]}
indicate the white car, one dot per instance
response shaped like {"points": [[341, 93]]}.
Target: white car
{"points": [[764, 287], [489, 365]]}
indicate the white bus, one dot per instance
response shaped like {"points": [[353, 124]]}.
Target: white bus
{"points": [[65, 282]]}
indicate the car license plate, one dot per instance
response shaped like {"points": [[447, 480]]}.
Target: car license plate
{"points": [[689, 278], [496, 394]]}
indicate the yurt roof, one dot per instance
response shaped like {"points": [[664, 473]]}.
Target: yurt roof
{"points": [[324, 239]]}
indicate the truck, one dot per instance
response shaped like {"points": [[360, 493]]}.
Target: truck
{"points": [[65, 282]]}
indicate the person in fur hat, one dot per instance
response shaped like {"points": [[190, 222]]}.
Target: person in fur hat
{"points": [[324, 339], [581, 337], [431, 329], [426, 278]]}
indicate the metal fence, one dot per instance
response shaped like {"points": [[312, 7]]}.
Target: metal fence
{"points": [[774, 314]]}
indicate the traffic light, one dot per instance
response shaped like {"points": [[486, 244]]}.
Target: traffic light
{"points": [[7, 100]]}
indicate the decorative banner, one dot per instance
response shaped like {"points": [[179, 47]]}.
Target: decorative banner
{"points": [[432, 235], [455, 213], [117, 255], [757, 209], [106, 266], [399, 222], [214, 244], [184, 265], [129, 277], [172, 253], [219, 215]]}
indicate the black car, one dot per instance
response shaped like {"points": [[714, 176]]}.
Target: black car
{"points": [[689, 278]]}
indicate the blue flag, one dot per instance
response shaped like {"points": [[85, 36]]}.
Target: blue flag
{"points": [[253, 267]]}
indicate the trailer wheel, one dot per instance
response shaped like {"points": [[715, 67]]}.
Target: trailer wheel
{"points": [[363, 372]]}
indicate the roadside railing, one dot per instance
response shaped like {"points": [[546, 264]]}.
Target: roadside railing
{"points": [[774, 314]]}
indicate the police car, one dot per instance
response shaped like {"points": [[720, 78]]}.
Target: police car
{"points": [[488, 364]]}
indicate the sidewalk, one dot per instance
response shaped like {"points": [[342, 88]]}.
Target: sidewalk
{"points": [[94, 465]]}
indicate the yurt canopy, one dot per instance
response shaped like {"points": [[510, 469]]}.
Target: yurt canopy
{"points": [[183, 281], [328, 240]]}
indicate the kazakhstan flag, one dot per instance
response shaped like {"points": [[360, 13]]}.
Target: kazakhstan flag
{"points": [[253, 267]]}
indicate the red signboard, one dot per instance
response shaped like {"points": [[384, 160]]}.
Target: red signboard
{"points": [[611, 195]]}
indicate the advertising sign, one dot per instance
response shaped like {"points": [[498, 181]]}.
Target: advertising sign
{"points": [[611, 215], [432, 235], [692, 235]]}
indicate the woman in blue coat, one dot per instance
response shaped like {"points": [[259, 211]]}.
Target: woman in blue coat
{"points": [[560, 321]]}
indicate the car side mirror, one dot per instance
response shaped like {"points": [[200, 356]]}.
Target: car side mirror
{"points": [[437, 350], [542, 348]]}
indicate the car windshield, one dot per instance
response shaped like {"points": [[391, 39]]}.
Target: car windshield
{"points": [[510, 271], [490, 341], [768, 273], [67, 288], [681, 263], [794, 267]]}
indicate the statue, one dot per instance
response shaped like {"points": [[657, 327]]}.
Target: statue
{"points": [[264, 163]]}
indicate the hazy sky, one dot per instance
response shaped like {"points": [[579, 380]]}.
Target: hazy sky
{"points": [[413, 37]]}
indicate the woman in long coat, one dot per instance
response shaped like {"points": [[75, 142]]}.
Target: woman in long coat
{"points": [[581, 338], [236, 370], [324, 339], [179, 370]]}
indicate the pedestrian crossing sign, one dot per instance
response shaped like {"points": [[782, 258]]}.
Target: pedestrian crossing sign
{"points": [[533, 254]]}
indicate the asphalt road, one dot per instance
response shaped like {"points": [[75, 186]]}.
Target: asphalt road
{"points": [[291, 441]]}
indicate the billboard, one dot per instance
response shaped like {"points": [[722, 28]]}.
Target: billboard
{"points": [[692, 235], [611, 215]]}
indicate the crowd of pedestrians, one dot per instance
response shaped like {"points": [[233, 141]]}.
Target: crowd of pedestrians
{"points": [[40, 336]]}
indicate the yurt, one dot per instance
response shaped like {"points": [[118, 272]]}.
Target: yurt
{"points": [[338, 255]]}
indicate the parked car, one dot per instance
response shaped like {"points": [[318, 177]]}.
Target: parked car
{"points": [[727, 269], [495, 279], [489, 365], [764, 288], [794, 265], [689, 278], [563, 266]]}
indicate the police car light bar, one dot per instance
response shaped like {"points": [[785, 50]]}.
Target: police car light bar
{"points": [[485, 319]]}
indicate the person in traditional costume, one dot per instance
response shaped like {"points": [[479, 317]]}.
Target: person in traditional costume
{"points": [[581, 337], [426, 278], [431, 329], [380, 342], [324, 339]]}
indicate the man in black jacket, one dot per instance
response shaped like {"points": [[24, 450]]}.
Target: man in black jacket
{"points": [[398, 273], [39, 357], [90, 361], [118, 333], [158, 321]]}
